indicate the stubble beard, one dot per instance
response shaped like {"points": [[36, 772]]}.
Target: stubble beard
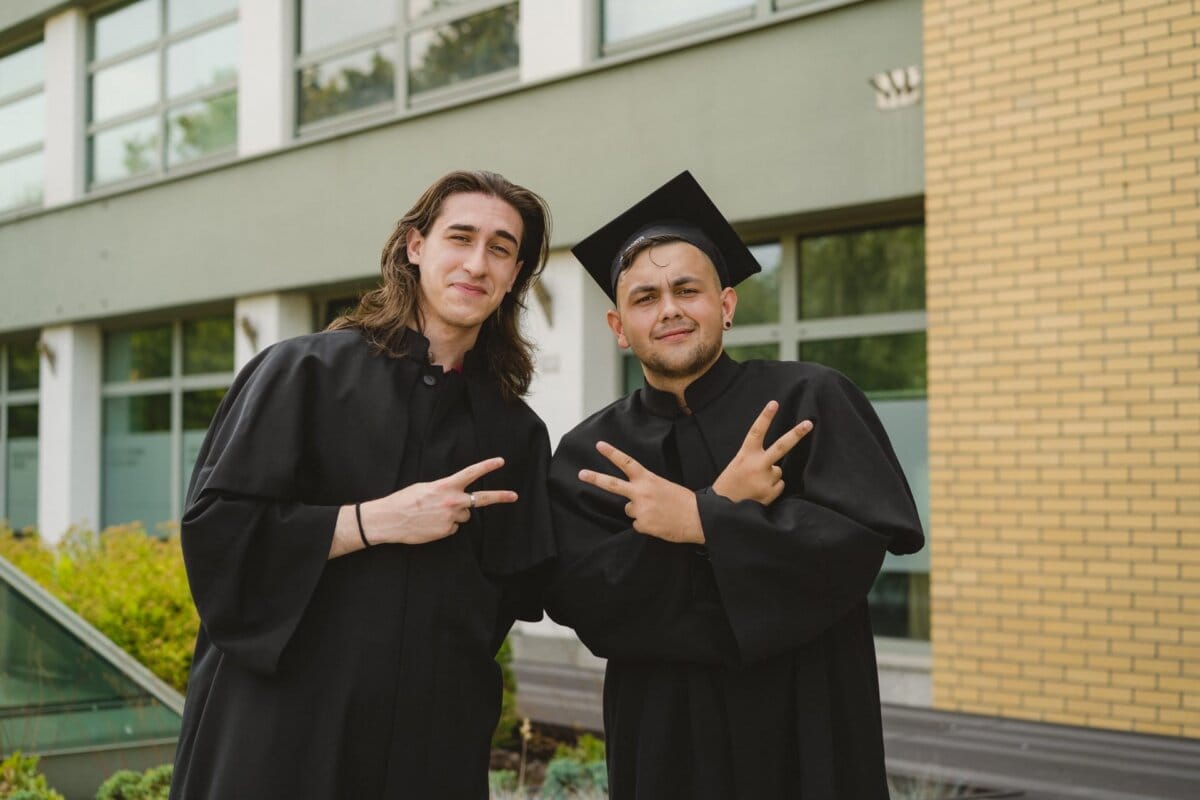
{"points": [[692, 364]]}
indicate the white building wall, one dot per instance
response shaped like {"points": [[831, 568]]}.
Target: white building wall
{"points": [[265, 319], [553, 37], [69, 430], [265, 36], [66, 92]]}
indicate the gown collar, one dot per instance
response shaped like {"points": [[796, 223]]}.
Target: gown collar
{"points": [[416, 347], [698, 394]]}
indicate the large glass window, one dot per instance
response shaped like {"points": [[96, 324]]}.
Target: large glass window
{"points": [[162, 385], [630, 20], [19, 433], [22, 127], [854, 301], [57, 691], [362, 55], [163, 87]]}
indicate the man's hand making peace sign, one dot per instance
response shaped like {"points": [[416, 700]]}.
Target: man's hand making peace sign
{"points": [[666, 510]]}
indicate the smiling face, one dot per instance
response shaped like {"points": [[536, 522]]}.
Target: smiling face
{"points": [[466, 262], [670, 312]]}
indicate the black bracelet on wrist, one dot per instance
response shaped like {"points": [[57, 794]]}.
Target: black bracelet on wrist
{"points": [[358, 516]]}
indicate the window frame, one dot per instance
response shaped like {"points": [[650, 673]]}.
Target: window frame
{"points": [[175, 385], [162, 106], [396, 34], [29, 149], [8, 399]]}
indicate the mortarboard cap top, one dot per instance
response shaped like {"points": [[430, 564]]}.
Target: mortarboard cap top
{"points": [[681, 208]]}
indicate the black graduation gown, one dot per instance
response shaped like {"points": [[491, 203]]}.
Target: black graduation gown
{"points": [[371, 675], [745, 668]]}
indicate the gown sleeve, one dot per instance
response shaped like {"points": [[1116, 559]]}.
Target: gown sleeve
{"points": [[788, 571], [253, 552], [627, 595]]}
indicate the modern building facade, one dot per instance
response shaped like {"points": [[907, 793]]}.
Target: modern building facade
{"points": [[184, 183]]}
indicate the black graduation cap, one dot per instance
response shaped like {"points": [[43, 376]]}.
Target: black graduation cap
{"points": [[681, 208]]}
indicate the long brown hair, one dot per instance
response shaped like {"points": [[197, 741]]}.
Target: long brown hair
{"points": [[385, 312]]}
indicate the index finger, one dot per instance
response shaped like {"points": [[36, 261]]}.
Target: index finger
{"points": [[622, 461], [468, 475], [784, 444], [491, 498], [758, 429]]}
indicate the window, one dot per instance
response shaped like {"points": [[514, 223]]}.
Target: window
{"points": [[163, 87], [854, 301], [61, 689], [162, 385], [19, 433], [360, 56], [22, 127], [630, 21]]}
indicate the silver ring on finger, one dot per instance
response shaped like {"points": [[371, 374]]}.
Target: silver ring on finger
{"points": [[472, 497]]}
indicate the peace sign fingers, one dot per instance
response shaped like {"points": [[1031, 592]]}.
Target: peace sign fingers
{"points": [[784, 444]]}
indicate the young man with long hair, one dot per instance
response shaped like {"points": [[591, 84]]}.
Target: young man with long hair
{"points": [[367, 518]]}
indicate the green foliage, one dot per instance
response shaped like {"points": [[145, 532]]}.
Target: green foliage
{"points": [[153, 784], [576, 770], [587, 750], [130, 586], [351, 88], [20, 780], [502, 780], [506, 729]]}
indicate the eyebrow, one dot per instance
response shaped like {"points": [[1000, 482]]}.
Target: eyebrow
{"points": [[650, 287], [503, 234]]}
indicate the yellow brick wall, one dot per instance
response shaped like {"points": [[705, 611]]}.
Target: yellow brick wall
{"points": [[1063, 244]]}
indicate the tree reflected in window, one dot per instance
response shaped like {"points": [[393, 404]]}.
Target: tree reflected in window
{"points": [[347, 84], [463, 49]]}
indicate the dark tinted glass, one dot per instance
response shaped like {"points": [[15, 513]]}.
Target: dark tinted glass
{"points": [[23, 421], [208, 345], [22, 366], [882, 366], [864, 272], [137, 355], [899, 605]]}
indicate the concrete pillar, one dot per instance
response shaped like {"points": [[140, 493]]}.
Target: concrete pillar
{"points": [[66, 112], [264, 319], [554, 37], [265, 53], [69, 430], [577, 374]]}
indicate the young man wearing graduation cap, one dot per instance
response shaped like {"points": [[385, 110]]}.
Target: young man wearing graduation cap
{"points": [[718, 532], [367, 517]]}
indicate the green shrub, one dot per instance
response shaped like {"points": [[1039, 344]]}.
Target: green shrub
{"points": [[576, 771], [153, 784], [505, 734], [130, 586], [20, 780]]}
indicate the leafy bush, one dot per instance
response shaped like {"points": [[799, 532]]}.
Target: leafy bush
{"points": [[576, 771], [153, 784], [132, 587], [506, 728], [20, 780]]}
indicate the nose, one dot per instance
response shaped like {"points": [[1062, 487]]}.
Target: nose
{"points": [[475, 261], [669, 309]]}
